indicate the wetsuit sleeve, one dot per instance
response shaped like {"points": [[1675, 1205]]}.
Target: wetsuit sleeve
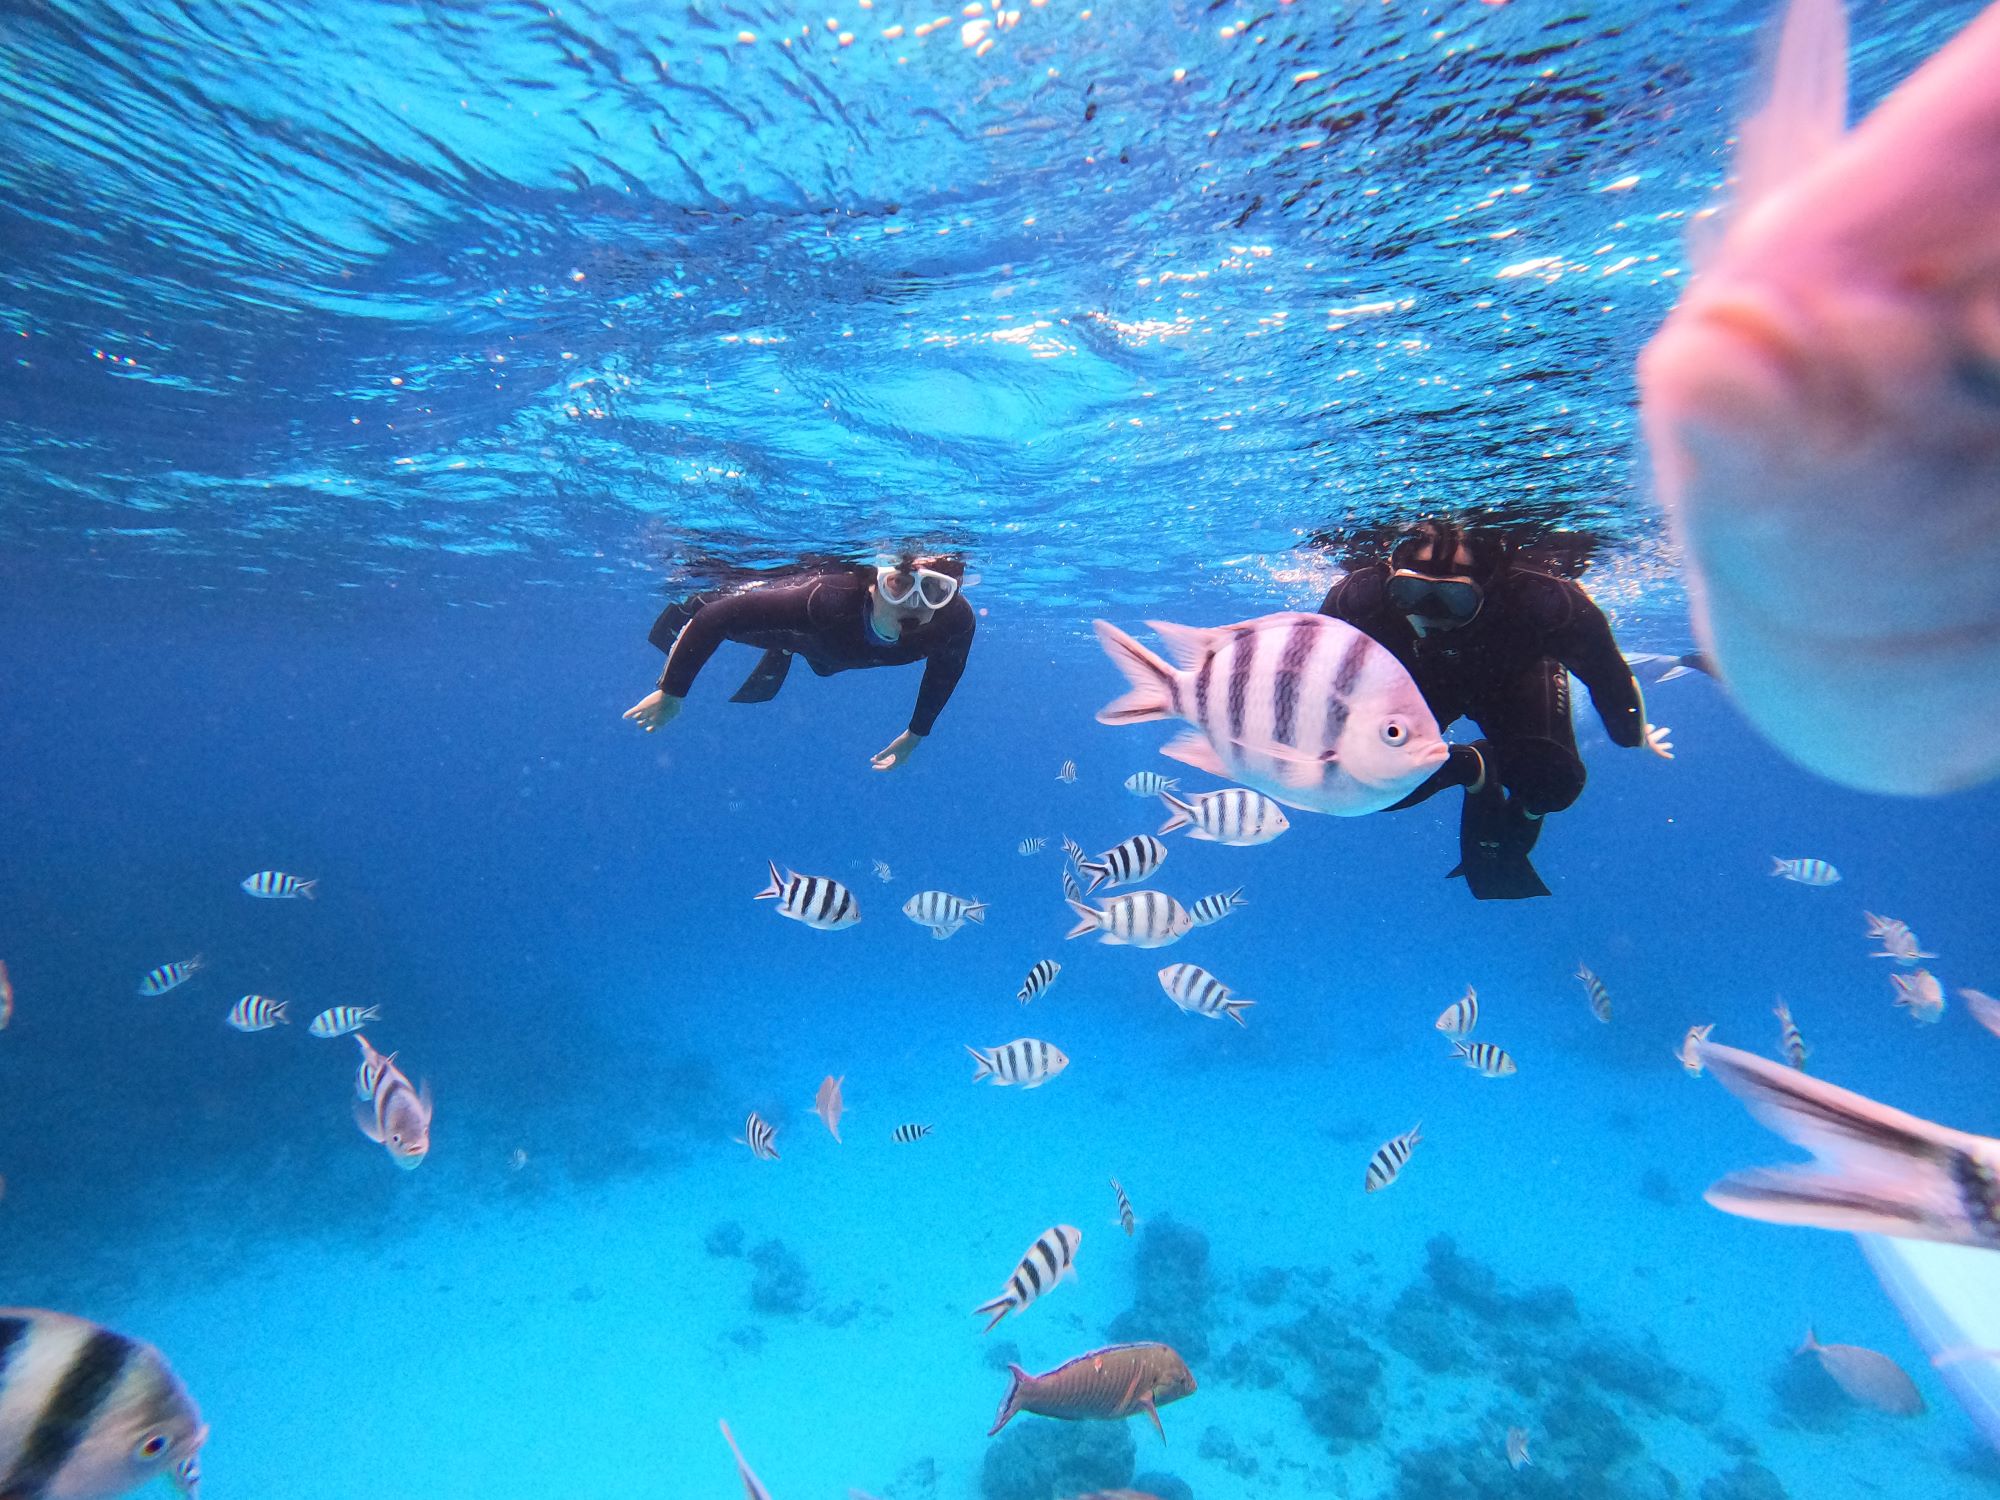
{"points": [[781, 607], [943, 667], [1585, 645], [1356, 598]]}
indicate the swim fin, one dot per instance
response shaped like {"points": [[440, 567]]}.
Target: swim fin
{"points": [[762, 685], [1495, 835]]}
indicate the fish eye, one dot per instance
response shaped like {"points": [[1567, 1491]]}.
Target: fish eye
{"points": [[153, 1444], [1395, 732]]}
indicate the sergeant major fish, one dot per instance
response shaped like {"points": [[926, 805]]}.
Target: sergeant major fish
{"points": [[1823, 412], [903, 1135], [1040, 977], [1235, 817], [1688, 1054], [398, 1116], [1791, 1040], [368, 1076], [1598, 995], [1386, 1165], [1144, 919], [1485, 1059], [276, 885], [88, 1414], [1815, 872], [170, 976], [1132, 861], [1125, 1216], [1921, 994], [1026, 1061], [1149, 783], [1047, 1261], [1461, 1015], [1214, 908], [258, 1013], [1304, 708], [760, 1136], [342, 1019], [6, 997], [1032, 845], [1106, 1384], [943, 912], [816, 900], [1200, 993]]}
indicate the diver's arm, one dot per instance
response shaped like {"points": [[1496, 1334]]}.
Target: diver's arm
{"points": [[1585, 645], [776, 607], [944, 666]]}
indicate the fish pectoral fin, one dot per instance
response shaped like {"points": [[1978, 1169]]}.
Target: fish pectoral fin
{"points": [[1301, 775], [1153, 1411], [1194, 750], [1804, 113], [364, 1116]]}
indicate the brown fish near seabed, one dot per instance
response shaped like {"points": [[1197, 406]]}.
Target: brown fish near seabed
{"points": [[828, 1106], [1106, 1384], [1869, 1378]]}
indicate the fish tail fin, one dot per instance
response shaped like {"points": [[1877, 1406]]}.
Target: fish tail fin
{"points": [[1152, 694], [1183, 814], [1000, 1306], [985, 1062], [1187, 644], [195, 963], [283, 1012], [976, 912], [776, 888], [1777, 865], [1089, 919], [1880, 1170], [1811, 1343], [306, 889], [1098, 874], [1011, 1402], [1459, 1048], [1234, 1008]]}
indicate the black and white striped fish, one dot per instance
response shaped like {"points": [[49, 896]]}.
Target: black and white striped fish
{"points": [[1805, 871], [902, 1135], [1025, 1061], [276, 885], [1387, 1162], [1125, 1218], [1898, 942], [1234, 816], [1305, 708], [170, 976], [1040, 977], [398, 1115], [1688, 1054], [1049, 1259], [88, 1414], [374, 1066], [1214, 908], [1200, 993], [1791, 1041], [943, 912], [1032, 845], [1072, 888], [1144, 919], [342, 1019], [816, 900], [1150, 783], [760, 1137], [1073, 849], [1461, 1015], [1132, 861], [1484, 1058], [1067, 774], [258, 1013], [1920, 993], [1600, 997]]}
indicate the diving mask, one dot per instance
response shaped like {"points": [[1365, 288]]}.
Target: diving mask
{"points": [[915, 587], [1443, 603]]}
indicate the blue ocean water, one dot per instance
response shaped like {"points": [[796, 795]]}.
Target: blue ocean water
{"points": [[376, 373]]}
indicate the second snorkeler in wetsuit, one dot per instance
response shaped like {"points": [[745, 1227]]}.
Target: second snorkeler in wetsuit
{"points": [[838, 619], [1496, 642]]}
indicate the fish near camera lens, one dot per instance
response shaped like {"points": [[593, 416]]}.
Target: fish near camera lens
{"points": [[1395, 732], [153, 1445]]}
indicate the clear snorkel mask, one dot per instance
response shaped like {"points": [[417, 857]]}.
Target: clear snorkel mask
{"points": [[913, 586]]}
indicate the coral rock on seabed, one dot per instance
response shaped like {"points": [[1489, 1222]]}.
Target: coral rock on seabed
{"points": [[1051, 1460], [1343, 1402], [782, 1287], [724, 1239], [1170, 1303], [1747, 1481]]}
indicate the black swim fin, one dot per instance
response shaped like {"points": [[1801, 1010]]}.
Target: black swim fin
{"points": [[1494, 837], [762, 685]]}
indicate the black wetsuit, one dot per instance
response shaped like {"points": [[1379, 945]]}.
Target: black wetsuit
{"points": [[1508, 671], [823, 617]]}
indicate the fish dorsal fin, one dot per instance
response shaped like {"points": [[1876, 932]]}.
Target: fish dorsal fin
{"points": [[1804, 113], [1188, 644]]}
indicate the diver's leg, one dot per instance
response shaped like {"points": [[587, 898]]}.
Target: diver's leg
{"points": [[1465, 766], [1533, 770]]}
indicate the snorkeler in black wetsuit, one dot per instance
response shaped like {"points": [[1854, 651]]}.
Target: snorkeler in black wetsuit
{"points": [[1487, 639], [838, 620]]}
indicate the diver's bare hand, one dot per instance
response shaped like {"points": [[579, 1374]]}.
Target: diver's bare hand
{"points": [[897, 752], [1657, 741], [653, 710]]}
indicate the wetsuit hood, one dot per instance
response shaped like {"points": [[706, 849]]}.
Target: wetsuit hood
{"points": [[1440, 575]]}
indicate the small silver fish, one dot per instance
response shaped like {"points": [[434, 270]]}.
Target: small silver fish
{"points": [[258, 1013], [342, 1019], [1517, 1444], [170, 976], [1984, 1008], [1387, 1163], [276, 885]]}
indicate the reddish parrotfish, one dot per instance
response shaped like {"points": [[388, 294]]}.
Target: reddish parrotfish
{"points": [[1302, 707], [1868, 1377], [1823, 413], [1106, 1384]]}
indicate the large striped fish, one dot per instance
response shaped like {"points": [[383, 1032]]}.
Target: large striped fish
{"points": [[1821, 405], [1132, 861], [1144, 919], [1303, 707], [1875, 1170], [1106, 1384], [397, 1118], [88, 1414], [816, 900], [1025, 1061], [1200, 993], [1048, 1260], [1234, 816]]}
